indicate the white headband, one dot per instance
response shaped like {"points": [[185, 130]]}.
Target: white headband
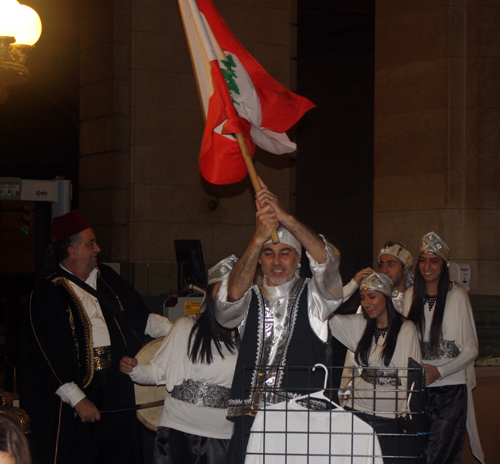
{"points": [[287, 238]]}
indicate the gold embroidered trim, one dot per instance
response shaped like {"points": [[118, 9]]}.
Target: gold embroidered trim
{"points": [[87, 327]]}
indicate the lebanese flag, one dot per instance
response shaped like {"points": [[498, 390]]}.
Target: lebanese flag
{"points": [[237, 96]]}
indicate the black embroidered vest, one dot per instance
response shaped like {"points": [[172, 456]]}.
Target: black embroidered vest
{"points": [[123, 343], [299, 349]]}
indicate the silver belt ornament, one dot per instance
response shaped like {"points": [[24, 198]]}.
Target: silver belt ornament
{"points": [[207, 395]]}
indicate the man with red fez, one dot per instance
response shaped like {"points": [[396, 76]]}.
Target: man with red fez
{"points": [[82, 318]]}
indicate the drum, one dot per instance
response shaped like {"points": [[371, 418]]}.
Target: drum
{"points": [[146, 393]]}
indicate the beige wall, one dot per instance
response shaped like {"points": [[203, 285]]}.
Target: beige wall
{"points": [[436, 139], [141, 127], [436, 129]]}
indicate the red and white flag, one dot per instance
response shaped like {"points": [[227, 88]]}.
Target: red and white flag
{"points": [[237, 96]]}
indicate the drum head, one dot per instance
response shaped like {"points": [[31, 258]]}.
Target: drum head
{"points": [[146, 393]]}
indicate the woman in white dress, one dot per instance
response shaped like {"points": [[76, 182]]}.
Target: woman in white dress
{"points": [[196, 364], [442, 313], [382, 341]]}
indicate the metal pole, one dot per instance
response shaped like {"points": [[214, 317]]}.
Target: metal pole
{"points": [[63, 194]]}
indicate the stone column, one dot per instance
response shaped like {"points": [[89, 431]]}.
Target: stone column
{"points": [[437, 126], [104, 123]]}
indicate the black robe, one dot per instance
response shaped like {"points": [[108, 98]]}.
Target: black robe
{"points": [[56, 349]]}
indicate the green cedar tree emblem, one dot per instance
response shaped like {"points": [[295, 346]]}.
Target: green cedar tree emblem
{"points": [[229, 74]]}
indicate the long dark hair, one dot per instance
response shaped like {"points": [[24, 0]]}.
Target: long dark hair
{"points": [[416, 313], [208, 330], [394, 322]]}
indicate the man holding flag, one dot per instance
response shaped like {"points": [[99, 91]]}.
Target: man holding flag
{"points": [[285, 319], [283, 322]]}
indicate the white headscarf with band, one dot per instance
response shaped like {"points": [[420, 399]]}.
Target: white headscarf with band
{"points": [[399, 251], [433, 243], [217, 273], [286, 237], [221, 269], [377, 282]]}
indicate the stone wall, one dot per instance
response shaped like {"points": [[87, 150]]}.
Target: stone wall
{"points": [[436, 129], [141, 128]]}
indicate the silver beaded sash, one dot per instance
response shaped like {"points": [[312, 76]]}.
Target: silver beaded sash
{"points": [[446, 349], [382, 377], [270, 375], [207, 395]]}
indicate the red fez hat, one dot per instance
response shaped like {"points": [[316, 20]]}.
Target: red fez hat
{"points": [[68, 224]]}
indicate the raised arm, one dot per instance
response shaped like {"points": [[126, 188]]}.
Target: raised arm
{"points": [[243, 273], [170, 361], [309, 239], [353, 285]]}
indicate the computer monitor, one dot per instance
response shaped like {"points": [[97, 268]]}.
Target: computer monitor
{"points": [[190, 264]]}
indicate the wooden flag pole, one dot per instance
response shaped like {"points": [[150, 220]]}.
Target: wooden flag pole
{"points": [[240, 138]]}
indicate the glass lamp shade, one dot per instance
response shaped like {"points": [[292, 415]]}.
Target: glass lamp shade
{"points": [[11, 18], [31, 29]]}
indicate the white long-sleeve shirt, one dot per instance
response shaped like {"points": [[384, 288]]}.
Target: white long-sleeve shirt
{"points": [[381, 400], [349, 289], [458, 328], [171, 366]]}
